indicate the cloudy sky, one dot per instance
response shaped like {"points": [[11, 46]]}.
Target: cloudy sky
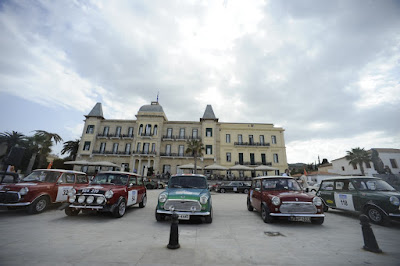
{"points": [[328, 72]]}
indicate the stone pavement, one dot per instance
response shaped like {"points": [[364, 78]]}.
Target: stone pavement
{"points": [[236, 237]]}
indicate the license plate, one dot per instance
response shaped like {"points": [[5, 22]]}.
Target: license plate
{"points": [[299, 219], [183, 216]]}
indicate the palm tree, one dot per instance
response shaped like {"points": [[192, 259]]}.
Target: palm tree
{"points": [[71, 147], [45, 142], [358, 156], [195, 148], [11, 139]]}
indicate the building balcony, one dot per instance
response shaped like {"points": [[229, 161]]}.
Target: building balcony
{"points": [[146, 135], [144, 153], [106, 153], [179, 138], [259, 144], [171, 154], [109, 136], [253, 163], [127, 136]]}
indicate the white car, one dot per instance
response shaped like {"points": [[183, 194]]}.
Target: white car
{"points": [[313, 188]]}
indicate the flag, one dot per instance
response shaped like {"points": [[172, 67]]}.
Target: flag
{"points": [[305, 172], [50, 165]]}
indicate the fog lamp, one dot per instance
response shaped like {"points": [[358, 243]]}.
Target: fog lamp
{"points": [[81, 199], [90, 199]]}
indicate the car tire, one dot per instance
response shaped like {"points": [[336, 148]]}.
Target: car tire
{"points": [[120, 210], [38, 205], [246, 191], [209, 218], [267, 218], [72, 211], [222, 190], [317, 220], [375, 215], [159, 217], [143, 203], [250, 208]]}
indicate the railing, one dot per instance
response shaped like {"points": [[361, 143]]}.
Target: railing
{"points": [[177, 137], [146, 134], [252, 144], [253, 163], [127, 153], [144, 152], [171, 154], [115, 136]]}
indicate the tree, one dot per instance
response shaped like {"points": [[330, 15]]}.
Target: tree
{"points": [[71, 147], [11, 139], [195, 148], [358, 156]]}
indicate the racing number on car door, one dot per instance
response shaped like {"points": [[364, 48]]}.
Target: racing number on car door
{"points": [[65, 184]]}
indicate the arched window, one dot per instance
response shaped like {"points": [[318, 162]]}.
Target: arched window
{"points": [[155, 130], [147, 131], [140, 129]]}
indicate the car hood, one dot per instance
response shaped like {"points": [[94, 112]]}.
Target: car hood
{"points": [[30, 185], [292, 196], [184, 193]]}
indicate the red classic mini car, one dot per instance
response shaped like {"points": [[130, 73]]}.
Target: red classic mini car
{"points": [[40, 188], [109, 191], [282, 197]]}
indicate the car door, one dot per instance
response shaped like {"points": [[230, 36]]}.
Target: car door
{"points": [[141, 188], [255, 194], [343, 196], [133, 191], [326, 192], [64, 184]]}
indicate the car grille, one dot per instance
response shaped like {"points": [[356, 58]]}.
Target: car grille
{"points": [[183, 205], [298, 207], [9, 197]]}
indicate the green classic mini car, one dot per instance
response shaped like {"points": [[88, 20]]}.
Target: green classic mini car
{"points": [[369, 195], [188, 196]]}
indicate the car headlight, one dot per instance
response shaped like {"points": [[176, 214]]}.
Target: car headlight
{"points": [[395, 200], [203, 199], [81, 199], [72, 199], [162, 197], [276, 200], [72, 192], [24, 191], [90, 199], [109, 194], [317, 201], [99, 200]]}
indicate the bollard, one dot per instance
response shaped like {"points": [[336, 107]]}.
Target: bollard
{"points": [[173, 235], [370, 243]]}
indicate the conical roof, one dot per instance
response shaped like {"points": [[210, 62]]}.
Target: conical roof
{"points": [[97, 111], [209, 113]]}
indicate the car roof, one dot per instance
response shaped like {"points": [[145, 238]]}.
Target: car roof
{"points": [[119, 172], [270, 177], [350, 177], [60, 171]]}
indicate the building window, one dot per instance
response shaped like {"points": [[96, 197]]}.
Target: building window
{"points": [[393, 163], [228, 157], [146, 147], [240, 158], [86, 146], [115, 148], [208, 149], [273, 139], [140, 130], [166, 169], [342, 168], [127, 148], [130, 132], [368, 165], [155, 130], [169, 132], [181, 150], [106, 130], [194, 133], [228, 138], [147, 131], [277, 172], [263, 159], [354, 166], [90, 129], [102, 147], [138, 147], [261, 139], [252, 161], [251, 139], [118, 132], [208, 132], [153, 147], [182, 133], [276, 158], [240, 139], [125, 166], [168, 149]]}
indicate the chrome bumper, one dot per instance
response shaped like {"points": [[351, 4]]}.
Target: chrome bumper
{"points": [[19, 204], [86, 207], [297, 215], [394, 215], [180, 212]]}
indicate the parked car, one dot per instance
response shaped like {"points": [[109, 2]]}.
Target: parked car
{"points": [[8, 178], [109, 191], [41, 188], [282, 197], [369, 195], [234, 186], [188, 196], [313, 188]]}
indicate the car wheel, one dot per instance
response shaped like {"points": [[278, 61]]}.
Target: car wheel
{"points": [[249, 207], [72, 211], [245, 191], [222, 190], [208, 219], [144, 202], [160, 217], [375, 215], [267, 218], [317, 220], [39, 205], [120, 210]]}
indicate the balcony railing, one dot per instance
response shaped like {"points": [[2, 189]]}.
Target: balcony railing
{"points": [[115, 136], [148, 135], [144, 153], [177, 137], [252, 144], [120, 153], [253, 163], [171, 154]]}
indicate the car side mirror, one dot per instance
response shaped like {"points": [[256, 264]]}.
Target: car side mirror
{"points": [[257, 189]]}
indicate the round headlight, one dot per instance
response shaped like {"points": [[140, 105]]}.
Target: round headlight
{"points": [[24, 191], [317, 201], [72, 199], [81, 199], [90, 199], [203, 199], [72, 192], [99, 200], [276, 200], [109, 194], [162, 197], [395, 200]]}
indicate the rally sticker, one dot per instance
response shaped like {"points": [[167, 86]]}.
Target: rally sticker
{"points": [[62, 193], [132, 197], [344, 201]]}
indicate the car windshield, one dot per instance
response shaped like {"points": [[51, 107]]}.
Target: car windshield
{"points": [[187, 182], [43, 176], [111, 179], [372, 185], [280, 184]]}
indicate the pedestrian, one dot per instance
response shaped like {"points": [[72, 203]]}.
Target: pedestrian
{"points": [[286, 173]]}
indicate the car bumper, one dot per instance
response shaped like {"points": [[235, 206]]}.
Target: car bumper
{"points": [[297, 215], [182, 213], [19, 204], [86, 207]]}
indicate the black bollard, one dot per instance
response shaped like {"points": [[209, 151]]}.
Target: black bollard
{"points": [[370, 243], [173, 235]]}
